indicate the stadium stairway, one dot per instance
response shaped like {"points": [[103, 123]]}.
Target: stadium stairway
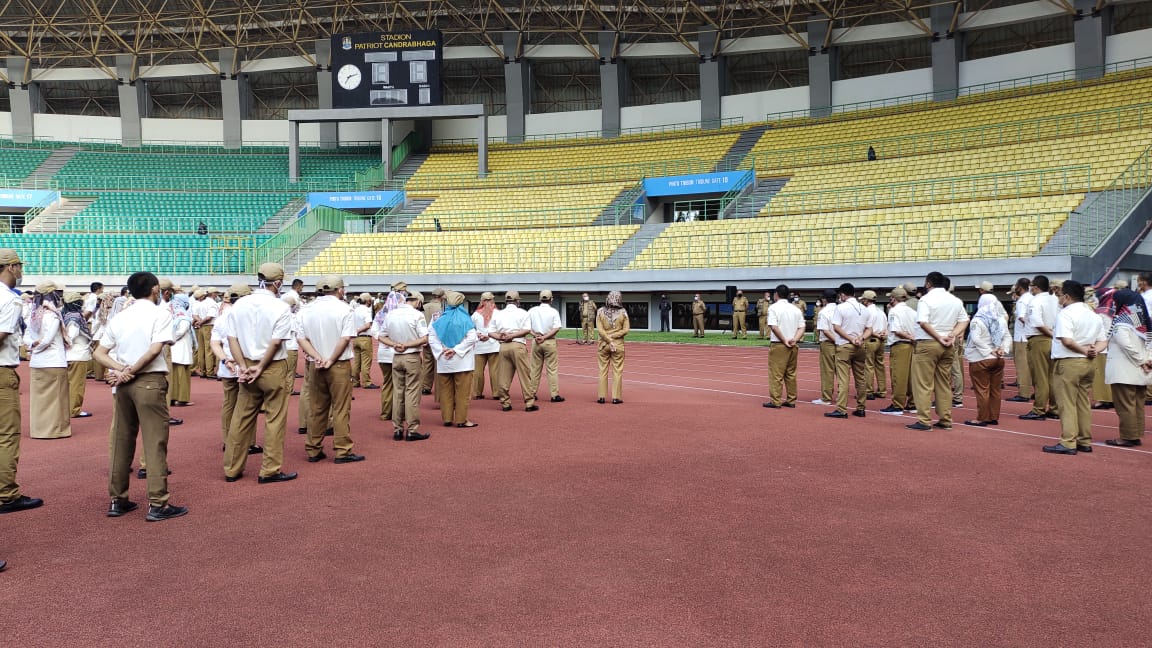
{"points": [[1082, 225], [750, 204], [310, 249], [399, 220], [632, 247], [286, 215], [54, 218], [619, 206], [740, 148], [408, 168], [49, 167]]}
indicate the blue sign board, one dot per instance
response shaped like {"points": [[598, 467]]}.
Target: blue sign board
{"points": [[355, 199], [700, 183], [27, 197]]}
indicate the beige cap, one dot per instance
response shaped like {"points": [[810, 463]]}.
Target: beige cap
{"points": [[1119, 284], [328, 283], [870, 295], [910, 287], [48, 286], [453, 298], [487, 295], [197, 294], [399, 285], [166, 283], [986, 286], [290, 298], [365, 297], [72, 296], [239, 290], [211, 290], [415, 295], [8, 256], [545, 294], [1056, 283], [898, 291], [271, 271], [511, 295], [437, 292]]}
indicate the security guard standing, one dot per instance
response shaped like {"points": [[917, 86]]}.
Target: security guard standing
{"points": [[739, 315], [762, 306], [587, 320], [698, 311]]}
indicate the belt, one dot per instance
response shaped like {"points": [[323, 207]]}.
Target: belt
{"points": [[9, 366], [901, 342], [1039, 335], [367, 335]]}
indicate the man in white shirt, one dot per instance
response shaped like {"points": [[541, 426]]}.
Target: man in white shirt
{"points": [[786, 324], [545, 324], [406, 331], [902, 329], [1042, 314], [850, 329], [942, 320], [326, 333], [131, 351], [1144, 287], [1022, 295], [226, 370], [362, 346], [1078, 332], [11, 328], [260, 325], [826, 338], [92, 299], [204, 311], [874, 346], [511, 325]]}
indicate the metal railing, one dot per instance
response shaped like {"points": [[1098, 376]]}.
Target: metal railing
{"points": [[240, 184], [1104, 211], [564, 176], [634, 133], [294, 235], [374, 177]]}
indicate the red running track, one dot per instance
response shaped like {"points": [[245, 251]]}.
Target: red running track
{"points": [[688, 516]]}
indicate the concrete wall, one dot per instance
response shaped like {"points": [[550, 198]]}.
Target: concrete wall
{"points": [[754, 106], [1129, 46], [189, 130], [564, 122], [668, 113], [882, 86], [1058, 58], [72, 128]]}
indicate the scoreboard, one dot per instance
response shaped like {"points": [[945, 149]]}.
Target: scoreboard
{"points": [[387, 69]]}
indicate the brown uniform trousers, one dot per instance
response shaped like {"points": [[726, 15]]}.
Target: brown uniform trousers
{"points": [[608, 359], [267, 393], [514, 361], [303, 406], [48, 403], [330, 399], [141, 406], [489, 361], [231, 389], [9, 433], [406, 380], [77, 384], [932, 378], [900, 359], [1129, 402], [1072, 382], [587, 329], [827, 371], [544, 357], [427, 368], [851, 359], [874, 353], [1040, 365], [205, 360], [362, 360], [1023, 374], [1101, 391], [453, 391], [782, 371], [386, 391], [290, 375], [987, 376], [762, 315], [180, 389]]}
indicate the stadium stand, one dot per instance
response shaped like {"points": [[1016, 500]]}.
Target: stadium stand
{"points": [[563, 206], [176, 212], [63, 254], [17, 163]]}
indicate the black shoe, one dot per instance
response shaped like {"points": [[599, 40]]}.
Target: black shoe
{"points": [[616, 401], [3, 565], [860, 413], [22, 503], [317, 458], [870, 397], [83, 415], [1148, 402], [416, 436], [141, 474], [976, 423], [294, 393], [1059, 449], [349, 458], [771, 405], [371, 386], [1033, 416], [1052, 415], [993, 422], [941, 426], [278, 477], [303, 430], [600, 400], [175, 421], [166, 512], [426, 392], [1083, 448], [557, 399], [1017, 399], [397, 435], [255, 449], [1015, 384], [237, 478], [329, 432], [1123, 443], [1102, 406], [532, 408], [918, 426], [119, 507], [957, 403], [505, 408], [789, 405], [835, 414], [892, 409], [447, 423]]}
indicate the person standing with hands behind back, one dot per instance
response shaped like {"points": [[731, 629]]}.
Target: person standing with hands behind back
{"points": [[1129, 363], [587, 319], [612, 324], [698, 311], [740, 315]]}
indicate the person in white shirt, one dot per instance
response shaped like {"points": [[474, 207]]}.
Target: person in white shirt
{"points": [[452, 339], [1022, 295], [1129, 367], [183, 342], [487, 349], [545, 324], [1101, 391], [850, 329], [1079, 335], [11, 308], [988, 344], [1042, 313], [385, 353], [511, 326], [327, 328], [874, 346], [92, 300], [1144, 286], [902, 329], [942, 320], [78, 339], [826, 337], [227, 367], [131, 351], [786, 324], [362, 345], [406, 331], [260, 325], [47, 358], [291, 345]]}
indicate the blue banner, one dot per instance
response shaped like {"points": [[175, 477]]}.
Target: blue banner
{"points": [[355, 199], [701, 183], [27, 197]]}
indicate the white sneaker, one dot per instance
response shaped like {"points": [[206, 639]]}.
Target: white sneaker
{"points": [[820, 401]]}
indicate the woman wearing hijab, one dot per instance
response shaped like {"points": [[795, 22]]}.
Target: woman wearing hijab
{"points": [[452, 340], [487, 349], [988, 343], [99, 322], [79, 353], [1101, 391], [48, 361], [183, 347], [1129, 363], [612, 325]]}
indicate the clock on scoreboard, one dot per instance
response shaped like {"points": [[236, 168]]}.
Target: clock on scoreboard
{"points": [[382, 69]]}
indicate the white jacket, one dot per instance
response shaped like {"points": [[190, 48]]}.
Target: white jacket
{"points": [[1127, 350]]}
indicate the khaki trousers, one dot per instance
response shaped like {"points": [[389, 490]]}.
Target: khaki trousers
{"points": [[782, 362], [290, 375], [1071, 382], [77, 384], [739, 325], [544, 356], [303, 406], [427, 369], [1040, 364], [987, 380], [231, 389], [587, 329], [266, 392], [205, 360], [331, 399], [763, 326], [958, 376], [97, 370], [827, 371], [48, 404], [1101, 391], [362, 360], [9, 433], [851, 359], [386, 391], [607, 358], [181, 387], [1023, 374], [514, 362], [932, 378], [900, 357], [141, 405], [874, 356], [406, 382], [453, 391], [1129, 402], [698, 325], [489, 361]]}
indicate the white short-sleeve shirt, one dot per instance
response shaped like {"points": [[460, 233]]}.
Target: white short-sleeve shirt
{"points": [[11, 311], [259, 318], [1080, 323], [544, 319], [785, 316], [136, 328], [325, 322], [942, 310]]}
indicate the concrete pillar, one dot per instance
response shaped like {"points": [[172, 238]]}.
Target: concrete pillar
{"points": [[329, 131], [24, 99], [293, 151], [612, 83], [134, 101], [947, 52], [823, 65], [386, 147], [1091, 29], [235, 95], [482, 145], [517, 84], [712, 79]]}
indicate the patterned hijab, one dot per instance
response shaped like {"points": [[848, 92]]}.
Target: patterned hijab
{"points": [[179, 306], [44, 303], [1128, 309], [73, 314], [613, 308], [991, 313]]}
